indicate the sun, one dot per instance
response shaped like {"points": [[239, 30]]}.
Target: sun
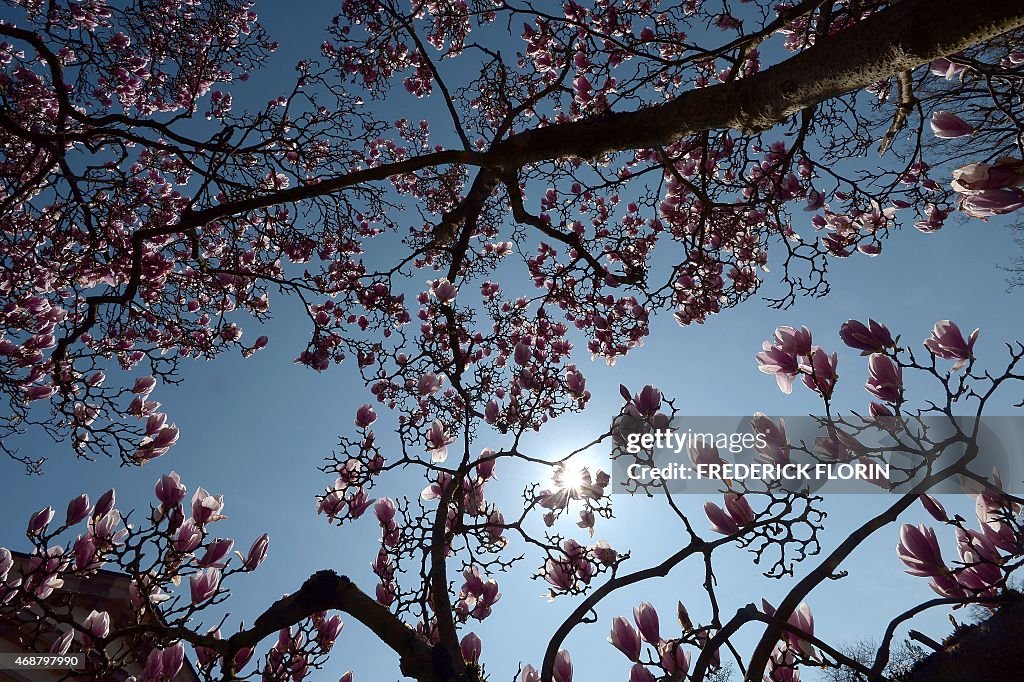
{"points": [[571, 475]]}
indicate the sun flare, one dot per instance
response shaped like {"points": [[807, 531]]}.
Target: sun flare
{"points": [[571, 476]]}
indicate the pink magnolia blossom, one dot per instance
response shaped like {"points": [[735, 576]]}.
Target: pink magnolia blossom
{"points": [[872, 338], [385, 593], [485, 465], [216, 552], [833, 448], [991, 510], [639, 673], [705, 454], [349, 473], [204, 584], [776, 446], [782, 664], [428, 384], [38, 522], [981, 558], [435, 490], [40, 392], [169, 490], [365, 416], [173, 659], [154, 668], [163, 437], [721, 522], [785, 367], [803, 620], [946, 69], [975, 178], [188, 537], [593, 487], [933, 507], [919, 550], [562, 670], [624, 638], [97, 623], [443, 290], [85, 553], [739, 509], [438, 441], [946, 585], [558, 574], [815, 201], [715, 659], [992, 202], [587, 520], [529, 674], [257, 553], [145, 592], [332, 504], [206, 656], [474, 582], [144, 385], [885, 380], [648, 400], [359, 503], [975, 547], [882, 416], [44, 571], [684, 617], [242, 657], [62, 644], [820, 375], [384, 509], [158, 442], [980, 578], [646, 618], [523, 354], [793, 341], [576, 383], [947, 126], [328, 630], [947, 342], [78, 510], [496, 526], [470, 646], [674, 659], [206, 508]]}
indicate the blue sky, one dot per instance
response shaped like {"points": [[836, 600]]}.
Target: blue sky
{"points": [[255, 430]]}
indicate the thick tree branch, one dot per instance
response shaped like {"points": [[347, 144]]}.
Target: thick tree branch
{"points": [[326, 590], [873, 49]]}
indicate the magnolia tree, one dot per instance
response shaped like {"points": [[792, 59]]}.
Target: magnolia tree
{"points": [[458, 261]]}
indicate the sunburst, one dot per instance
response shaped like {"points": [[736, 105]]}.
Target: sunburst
{"points": [[571, 476]]}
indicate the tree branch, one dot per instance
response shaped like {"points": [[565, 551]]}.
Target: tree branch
{"points": [[875, 48], [326, 590]]}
